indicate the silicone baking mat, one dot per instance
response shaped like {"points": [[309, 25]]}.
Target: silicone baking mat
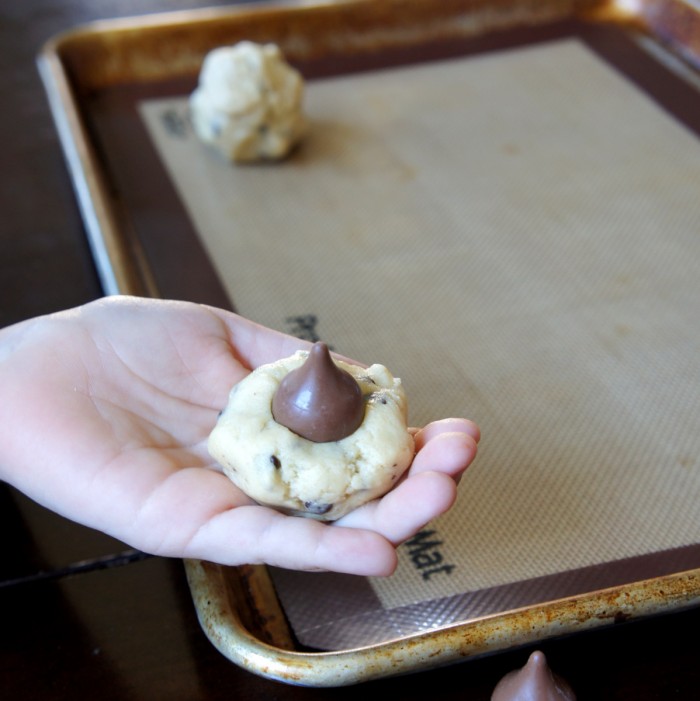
{"points": [[516, 236]]}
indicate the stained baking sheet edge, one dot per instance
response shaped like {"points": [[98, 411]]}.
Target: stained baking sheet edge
{"points": [[222, 622]]}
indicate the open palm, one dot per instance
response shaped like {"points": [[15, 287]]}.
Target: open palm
{"points": [[105, 412]]}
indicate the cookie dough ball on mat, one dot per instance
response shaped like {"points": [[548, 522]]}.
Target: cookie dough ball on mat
{"points": [[248, 103], [314, 436]]}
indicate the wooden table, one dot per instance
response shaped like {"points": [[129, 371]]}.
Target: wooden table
{"points": [[84, 617]]}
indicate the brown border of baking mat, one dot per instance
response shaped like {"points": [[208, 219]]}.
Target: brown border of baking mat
{"points": [[371, 621]]}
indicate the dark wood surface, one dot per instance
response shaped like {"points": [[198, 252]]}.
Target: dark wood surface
{"points": [[84, 617]]}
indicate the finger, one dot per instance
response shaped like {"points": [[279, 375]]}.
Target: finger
{"points": [[449, 453], [451, 425], [402, 512], [255, 535], [196, 513], [254, 344]]}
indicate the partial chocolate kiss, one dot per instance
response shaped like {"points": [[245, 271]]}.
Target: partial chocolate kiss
{"points": [[533, 682], [319, 400]]}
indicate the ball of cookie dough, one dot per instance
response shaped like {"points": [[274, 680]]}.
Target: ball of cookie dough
{"points": [[248, 102], [279, 468]]}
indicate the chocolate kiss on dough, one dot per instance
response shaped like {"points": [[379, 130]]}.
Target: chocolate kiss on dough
{"points": [[319, 401]]}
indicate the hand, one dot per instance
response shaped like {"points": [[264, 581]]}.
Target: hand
{"points": [[105, 412]]}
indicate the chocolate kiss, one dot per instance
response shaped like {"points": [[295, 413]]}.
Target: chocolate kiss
{"points": [[319, 400], [534, 682]]}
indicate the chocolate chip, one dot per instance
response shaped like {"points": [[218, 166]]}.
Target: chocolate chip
{"points": [[318, 509], [275, 461]]}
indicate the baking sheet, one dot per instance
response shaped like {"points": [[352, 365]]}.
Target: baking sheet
{"points": [[609, 292]]}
